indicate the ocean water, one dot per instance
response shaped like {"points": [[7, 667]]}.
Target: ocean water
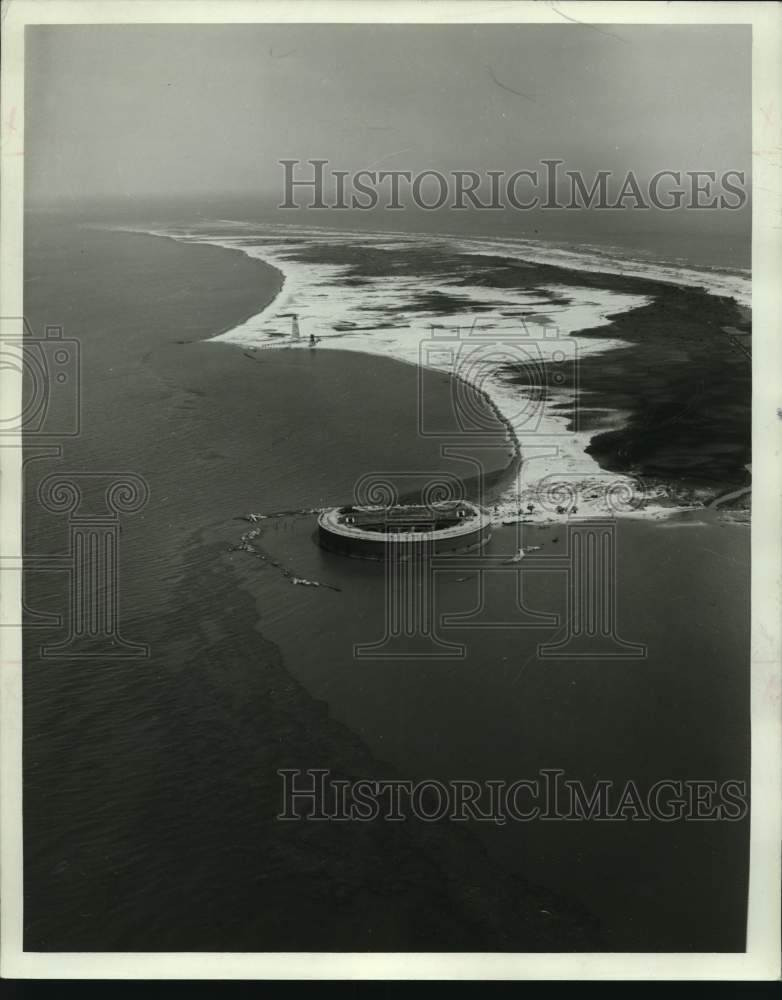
{"points": [[150, 786]]}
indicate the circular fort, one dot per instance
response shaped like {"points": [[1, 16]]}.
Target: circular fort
{"points": [[404, 530]]}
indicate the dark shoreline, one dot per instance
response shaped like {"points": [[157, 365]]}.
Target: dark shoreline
{"points": [[684, 379], [693, 428]]}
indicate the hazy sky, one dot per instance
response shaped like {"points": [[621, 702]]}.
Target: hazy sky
{"points": [[143, 110]]}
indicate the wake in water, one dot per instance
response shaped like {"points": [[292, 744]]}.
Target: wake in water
{"points": [[517, 320]]}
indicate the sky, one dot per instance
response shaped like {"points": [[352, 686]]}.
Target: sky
{"points": [[137, 111]]}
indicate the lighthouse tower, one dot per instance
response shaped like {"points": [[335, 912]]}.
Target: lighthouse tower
{"points": [[295, 333]]}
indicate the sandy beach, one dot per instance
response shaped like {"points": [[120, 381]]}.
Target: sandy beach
{"points": [[621, 374]]}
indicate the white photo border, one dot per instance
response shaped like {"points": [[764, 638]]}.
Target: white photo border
{"points": [[762, 958]]}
